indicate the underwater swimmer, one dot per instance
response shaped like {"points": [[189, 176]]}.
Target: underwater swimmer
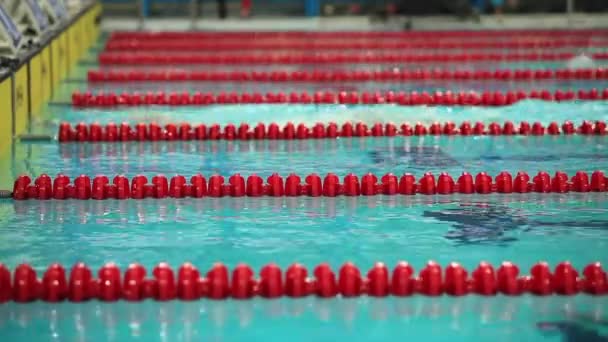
{"points": [[571, 332]]}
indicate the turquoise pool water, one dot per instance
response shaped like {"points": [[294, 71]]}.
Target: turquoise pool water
{"points": [[365, 319], [521, 228]]}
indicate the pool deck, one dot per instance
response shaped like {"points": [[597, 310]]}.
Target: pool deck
{"points": [[487, 22]]}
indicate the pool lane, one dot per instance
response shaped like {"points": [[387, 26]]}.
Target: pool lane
{"points": [[523, 229], [310, 319], [398, 155], [528, 110], [430, 86]]}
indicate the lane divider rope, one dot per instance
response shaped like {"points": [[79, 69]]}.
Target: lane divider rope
{"points": [[112, 132], [163, 284], [95, 76], [311, 45], [120, 188], [414, 98], [157, 58], [512, 34]]}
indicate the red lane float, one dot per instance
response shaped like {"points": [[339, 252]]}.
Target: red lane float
{"points": [[170, 132], [448, 98], [163, 284], [157, 58], [511, 34], [96, 76], [311, 45], [120, 188]]}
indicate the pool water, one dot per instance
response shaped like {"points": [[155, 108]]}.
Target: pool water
{"points": [[364, 319], [522, 228]]}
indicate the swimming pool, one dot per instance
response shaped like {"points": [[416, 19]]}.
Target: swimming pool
{"points": [[522, 228]]}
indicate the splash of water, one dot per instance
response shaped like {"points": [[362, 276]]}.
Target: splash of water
{"points": [[580, 62]]}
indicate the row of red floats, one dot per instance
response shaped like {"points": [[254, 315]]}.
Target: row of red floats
{"points": [[101, 188], [345, 76], [157, 58], [217, 284], [414, 98], [499, 34], [216, 45], [111, 132]]}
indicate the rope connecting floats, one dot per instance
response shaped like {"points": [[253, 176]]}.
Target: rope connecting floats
{"points": [[448, 98], [111, 132], [61, 188], [163, 285], [157, 58], [120, 76]]}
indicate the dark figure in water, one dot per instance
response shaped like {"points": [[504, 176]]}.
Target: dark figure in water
{"points": [[222, 11], [479, 223], [571, 331], [485, 223]]}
